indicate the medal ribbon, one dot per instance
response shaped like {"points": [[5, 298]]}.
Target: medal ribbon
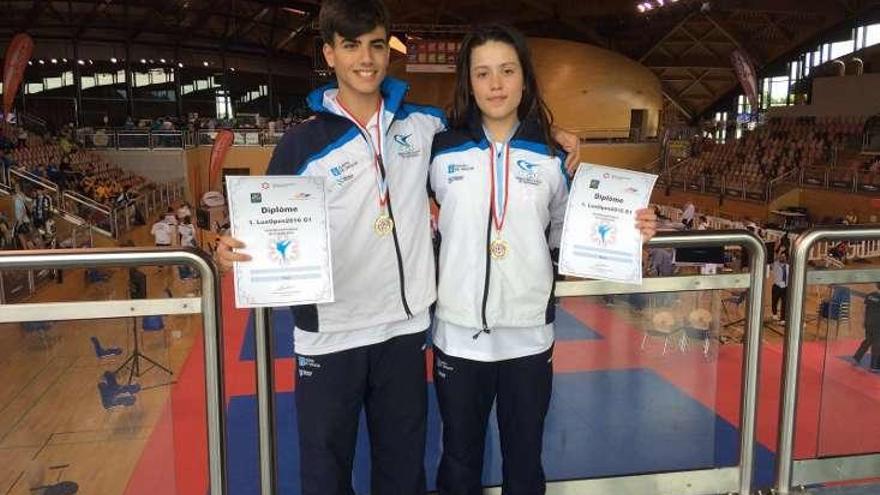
{"points": [[500, 174], [377, 148]]}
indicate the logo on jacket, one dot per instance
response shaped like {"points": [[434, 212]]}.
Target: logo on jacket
{"points": [[407, 150], [342, 173], [529, 173], [526, 166], [455, 171]]}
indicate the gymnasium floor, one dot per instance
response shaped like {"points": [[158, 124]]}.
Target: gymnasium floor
{"points": [[616, 409]]}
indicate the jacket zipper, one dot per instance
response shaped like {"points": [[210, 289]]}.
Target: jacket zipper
{"points": [[485, 328], [400, 274]]}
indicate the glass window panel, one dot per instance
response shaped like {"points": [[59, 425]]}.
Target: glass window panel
{"points": [[873, 36], [841, 48], [52, 82]]}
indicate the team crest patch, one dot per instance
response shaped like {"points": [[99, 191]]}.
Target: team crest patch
{"points": [[405, 148]]}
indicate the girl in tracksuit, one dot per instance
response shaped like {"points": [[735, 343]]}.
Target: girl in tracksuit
{"points": [[502, 191]]}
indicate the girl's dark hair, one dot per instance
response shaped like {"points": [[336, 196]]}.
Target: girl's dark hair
{"points": [[532, 106], [352, 18]]}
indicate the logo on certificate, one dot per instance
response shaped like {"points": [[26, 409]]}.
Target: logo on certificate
{"points": [[283, 251], [256, 198], [604, 234], [594, 184]]}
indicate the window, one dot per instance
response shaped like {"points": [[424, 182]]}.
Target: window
{"points": [[873, 35], [841, 48], [105, 79], [52, 83], [224, 106]]}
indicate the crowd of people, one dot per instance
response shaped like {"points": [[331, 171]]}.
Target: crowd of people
{"points": [[58, 159], [777, 148]]}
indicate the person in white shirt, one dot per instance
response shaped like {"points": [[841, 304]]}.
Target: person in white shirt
{"points": [[187, 233], [162, 232], [779, 270], [687, 215]]}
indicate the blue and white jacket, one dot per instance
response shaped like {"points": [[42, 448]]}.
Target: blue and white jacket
{"points": [[377, 280], [474, 290]]}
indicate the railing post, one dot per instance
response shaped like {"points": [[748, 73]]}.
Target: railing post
{"points": [[263, 335]]}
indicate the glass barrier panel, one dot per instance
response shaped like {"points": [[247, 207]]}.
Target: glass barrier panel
{"points": [[814, 176], [166, 139], [130, 140], [88, 211], [841, 366], [643, 383], [271, 138], [246, 138], [15, 285], [206, 138], [869, 182], [842, 179], [106, 406]]}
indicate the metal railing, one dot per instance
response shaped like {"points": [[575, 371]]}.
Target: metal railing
{"points": [[691, 482], [135, 139], [208, 305], [790, 472]]}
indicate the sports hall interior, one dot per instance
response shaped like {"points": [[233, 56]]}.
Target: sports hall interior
{"points": [[115, 122]]}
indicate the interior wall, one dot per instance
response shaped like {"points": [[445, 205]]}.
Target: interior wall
{"points": [[832, 96], [630, 156], [586, 87]]}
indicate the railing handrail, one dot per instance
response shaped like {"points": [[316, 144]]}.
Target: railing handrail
{"points": [[79, 198], [130, 257], [26, 174]]}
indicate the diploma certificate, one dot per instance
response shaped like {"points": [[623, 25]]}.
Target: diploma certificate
{"points": [[283, 222], [599, 236]]}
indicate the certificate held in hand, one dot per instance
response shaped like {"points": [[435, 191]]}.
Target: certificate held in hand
{"points": [[283, 223], [599, 235]]}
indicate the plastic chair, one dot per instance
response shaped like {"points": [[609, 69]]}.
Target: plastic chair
{"points": [[153, 323], [836, 308], [731, 306], [104, 352], [110, 399], [110, 379], [61, 488]]}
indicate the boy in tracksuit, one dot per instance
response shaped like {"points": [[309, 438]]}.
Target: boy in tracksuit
{"points": [[367, 349]]}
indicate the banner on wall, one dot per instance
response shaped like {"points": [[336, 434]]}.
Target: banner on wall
{"points": [[222, 143], [15, 62], [745, 72]]}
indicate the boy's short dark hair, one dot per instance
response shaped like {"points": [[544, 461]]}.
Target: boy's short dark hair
{"points": [[352, 18]]}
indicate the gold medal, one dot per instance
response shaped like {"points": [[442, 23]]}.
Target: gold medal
{"points": [[499, 248], [383, 225]]}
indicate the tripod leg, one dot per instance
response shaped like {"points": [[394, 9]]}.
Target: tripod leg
{"points": [[156, 365]]}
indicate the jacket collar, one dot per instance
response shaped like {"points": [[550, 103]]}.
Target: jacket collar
{"points": [[393, 92]]}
